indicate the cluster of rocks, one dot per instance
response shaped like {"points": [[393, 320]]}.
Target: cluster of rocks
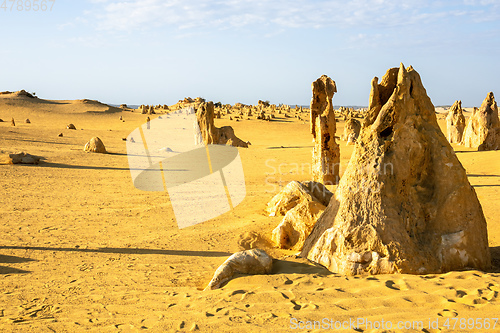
{"points": [[345, 113], [391, 212], [261, 111], [147, 109], [13, 122], [395, 208], [482, 130], [239, 111]]}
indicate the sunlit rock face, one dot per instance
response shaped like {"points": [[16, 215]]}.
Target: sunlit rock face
{"points": [[404, 203]]}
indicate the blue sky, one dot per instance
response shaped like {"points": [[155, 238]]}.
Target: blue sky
{"points": [[157, 52]]}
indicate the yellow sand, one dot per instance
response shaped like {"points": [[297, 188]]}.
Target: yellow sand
{"points": [[81, 249]]}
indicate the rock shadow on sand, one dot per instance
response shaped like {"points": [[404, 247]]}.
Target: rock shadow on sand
{"points": [[298, 266], [123, 251], [86, 167], [293, 147], [5, 259]]}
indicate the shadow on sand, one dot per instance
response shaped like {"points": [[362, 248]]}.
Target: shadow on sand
{"points": [[292, 147], [85, 167], [39, 141], [4, 259], [294, 267], [123, 251], [491, 185]]}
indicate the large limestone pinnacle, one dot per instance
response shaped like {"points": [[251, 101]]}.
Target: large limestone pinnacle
{"points": [[326, 152], [404, 203]]}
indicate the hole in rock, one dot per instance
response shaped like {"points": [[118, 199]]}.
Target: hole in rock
{"points": [[385, 133]]}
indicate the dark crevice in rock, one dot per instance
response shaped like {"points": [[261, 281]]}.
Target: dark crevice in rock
{"points": [[386, 132]]}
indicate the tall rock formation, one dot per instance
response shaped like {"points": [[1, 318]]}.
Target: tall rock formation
{"points": [[326, 152], [214, 135], [455, 123], [404, 203], [483, 127]]}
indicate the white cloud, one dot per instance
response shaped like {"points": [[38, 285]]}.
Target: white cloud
{"points": [[129, 15]]}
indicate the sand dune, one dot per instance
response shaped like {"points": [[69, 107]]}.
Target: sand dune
{"points": [[20, 105], [82, 249]]}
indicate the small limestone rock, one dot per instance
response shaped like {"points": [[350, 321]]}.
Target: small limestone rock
{"points": [[12, 122], [27, 121], [95, 145], [254, 261], [23, 158], [60, 135], [71, 127]]}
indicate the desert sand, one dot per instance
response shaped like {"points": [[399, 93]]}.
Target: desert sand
{"points": [[83, 250]]}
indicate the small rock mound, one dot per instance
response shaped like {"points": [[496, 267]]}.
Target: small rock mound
{"points": [[252, 240], [27, 121], [301, 204], [71, 127], [23, 158], [95, 145], [254, 261]]}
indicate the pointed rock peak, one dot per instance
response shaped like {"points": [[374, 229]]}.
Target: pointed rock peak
{"points": [[395, 208], [483, 127]]}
